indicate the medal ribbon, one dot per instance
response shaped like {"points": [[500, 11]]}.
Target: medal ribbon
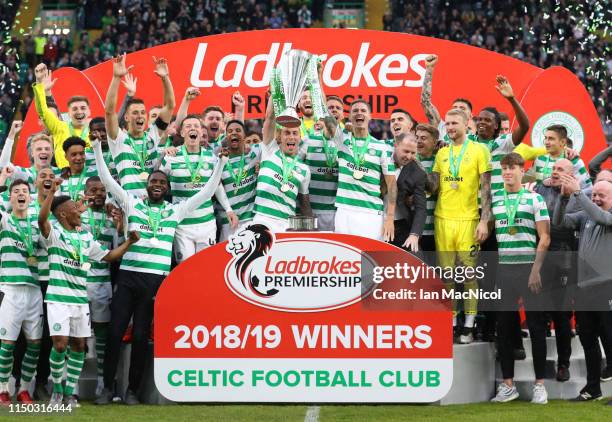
{"points": [[455, 163], [288, 166], [77, 246], [75, 189], [96, 224], [84, 132], [512, 206], [154, 217], [241, 173], [25, 235], [194, 174], [142, 154], [359, 152]]}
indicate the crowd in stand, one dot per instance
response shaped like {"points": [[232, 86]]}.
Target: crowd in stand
{"points": [[530, 30], [131, 25]]}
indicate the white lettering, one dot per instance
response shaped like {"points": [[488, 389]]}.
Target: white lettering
{"points": [[346, 71], [415, 64], [387, 69], [363, 68]]}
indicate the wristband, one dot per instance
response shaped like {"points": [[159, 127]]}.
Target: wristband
{"points": [[159, 122]]}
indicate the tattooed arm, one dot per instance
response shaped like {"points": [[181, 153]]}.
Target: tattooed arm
{"points": [[482, 231], [433, 116]]}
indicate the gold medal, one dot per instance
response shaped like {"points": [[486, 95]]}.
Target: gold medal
{"points": [[144, 175], [285, 187], [512, 231], [454, 185], [329, 175], [32, 261], [358, 174], [196, 179], [85, 266]]}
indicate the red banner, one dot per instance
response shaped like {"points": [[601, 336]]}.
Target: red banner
{"points": [[386, 68]]}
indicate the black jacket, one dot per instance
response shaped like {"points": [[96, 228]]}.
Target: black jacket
{"points": [[411, 185]]}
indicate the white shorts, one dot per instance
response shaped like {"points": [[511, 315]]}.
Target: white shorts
{"points": [[68, 320], [100, 295], [360, 223], [325, 220], [276, 225], [191, 239], [21, 308], [227, 231]]}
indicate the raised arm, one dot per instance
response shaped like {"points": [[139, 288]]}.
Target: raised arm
{"points": [[45, 83], [110, 105], [161, 70], [129, 82], [190, 94], [431, 112], [207, 191], [109, 182], [7, 151], [269, 125], [238, 102], [45, 209], [598, 160], [504, 88]]}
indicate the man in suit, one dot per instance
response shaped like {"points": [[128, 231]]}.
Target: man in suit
{"points": [[410, 211]]}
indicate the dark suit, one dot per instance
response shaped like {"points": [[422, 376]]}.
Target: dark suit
{"points": [[411, 204]]}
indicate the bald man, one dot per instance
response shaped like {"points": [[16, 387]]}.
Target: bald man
{"points": [[594, 295], [559, 269]]}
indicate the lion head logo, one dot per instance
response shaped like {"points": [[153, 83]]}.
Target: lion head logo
{"points": [[246, 246]]}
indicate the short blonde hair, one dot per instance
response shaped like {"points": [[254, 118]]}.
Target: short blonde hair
{"points": [[458, 112]]}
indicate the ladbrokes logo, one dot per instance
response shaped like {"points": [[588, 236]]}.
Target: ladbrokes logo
{"points": [[295, 274], [361, 68]]}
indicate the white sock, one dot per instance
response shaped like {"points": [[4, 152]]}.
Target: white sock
{"points": [[454, 321], [469, 321], [25, 386], [4, 387]]}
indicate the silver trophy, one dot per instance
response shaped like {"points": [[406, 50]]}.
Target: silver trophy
{"points": [[292, 70]]}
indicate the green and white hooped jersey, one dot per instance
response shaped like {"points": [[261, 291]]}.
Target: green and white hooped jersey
{"points": [[29, 174], [67, 278], [269, 199], [182, 187], [323, 177], [430, 201], [241, 197], [14, 268], [103, 231], [499, 148], [518, 248], [90, 161], [74, 186], [127, 162], [363, 194], [544, 164], [145, 256], [41, 253]]}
